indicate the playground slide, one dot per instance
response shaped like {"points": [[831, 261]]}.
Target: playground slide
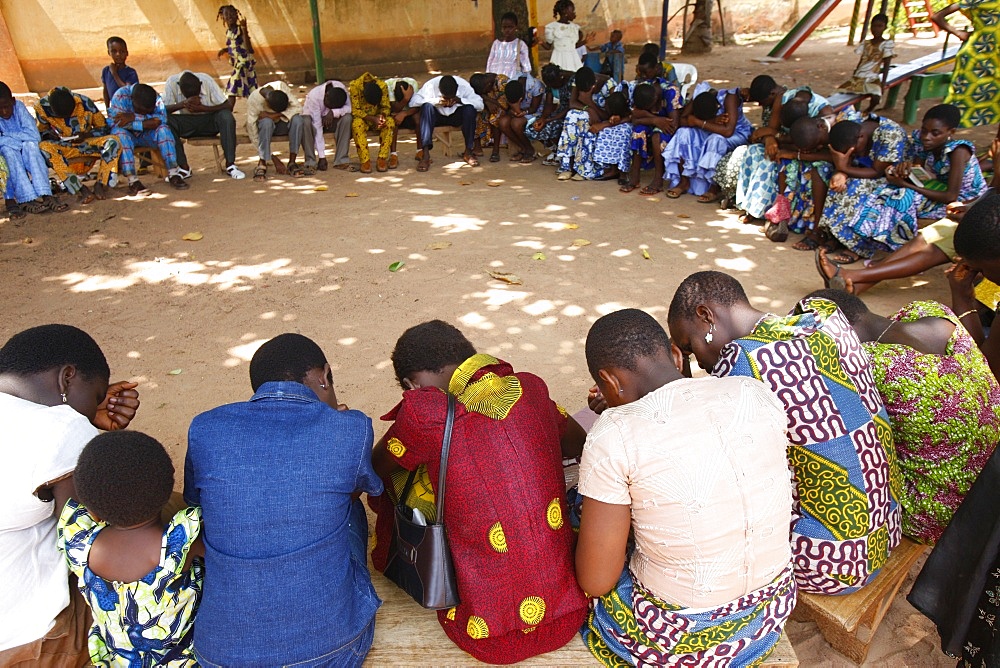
{"points": [[803, 29]]}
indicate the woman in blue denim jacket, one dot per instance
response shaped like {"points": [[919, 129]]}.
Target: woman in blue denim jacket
{"points": [[277, 478]]}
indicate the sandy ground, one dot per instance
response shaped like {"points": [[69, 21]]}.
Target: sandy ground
{"points": [[183, 318]]}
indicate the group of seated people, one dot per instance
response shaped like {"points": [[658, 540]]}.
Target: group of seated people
{"points": [[704, 505]]}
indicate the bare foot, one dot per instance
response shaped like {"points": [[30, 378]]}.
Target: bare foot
{"points": [[279, 166], [87, 195], [100, 191]]}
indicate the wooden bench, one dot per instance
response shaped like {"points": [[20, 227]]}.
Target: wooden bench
{"points": [[148, 154], [849, 622], [442, 135], [408, 635]]}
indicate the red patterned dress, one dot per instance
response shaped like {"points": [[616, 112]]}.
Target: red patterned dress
{"points": [[506, 509]]}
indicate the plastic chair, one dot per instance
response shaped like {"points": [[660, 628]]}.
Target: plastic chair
{"points": [[687, 77]]}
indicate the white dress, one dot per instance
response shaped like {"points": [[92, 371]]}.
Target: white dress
{"points": [[563, 38]]}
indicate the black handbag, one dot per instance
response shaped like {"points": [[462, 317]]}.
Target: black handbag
{"points": [[419, 556]]}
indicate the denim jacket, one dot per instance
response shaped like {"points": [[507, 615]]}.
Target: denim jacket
{"points": [[274, 477]]}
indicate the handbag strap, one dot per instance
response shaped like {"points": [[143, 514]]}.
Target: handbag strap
{"points": [[442, 474], [445, 448]]}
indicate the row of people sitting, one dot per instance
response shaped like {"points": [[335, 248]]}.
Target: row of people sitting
{"points": [[848, 428]]}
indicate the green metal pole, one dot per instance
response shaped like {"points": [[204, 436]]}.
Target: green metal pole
{"points": [[317, 42]]}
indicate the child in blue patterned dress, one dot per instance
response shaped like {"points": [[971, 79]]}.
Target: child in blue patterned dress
{"points": [[141, 576], [243, 80]]}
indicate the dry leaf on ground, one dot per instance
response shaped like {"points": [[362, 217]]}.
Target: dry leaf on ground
{"points": [[646, 255], [506, 277], [321, 188], [193, 236], [580, 243], [438, 245], [538, 256], [350, 194]]}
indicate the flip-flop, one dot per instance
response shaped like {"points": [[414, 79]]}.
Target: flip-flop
{"points": [[709, 199], [627, 187], [845, 257], [806, 244], [673, 193], [648, 191], [827, 280], [528, 159]]}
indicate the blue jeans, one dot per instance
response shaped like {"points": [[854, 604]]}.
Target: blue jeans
{"points": [[463, 117], [354, 652]]}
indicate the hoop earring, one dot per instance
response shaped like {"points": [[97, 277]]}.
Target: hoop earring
{"points": [[63, 395], [708, 335]]}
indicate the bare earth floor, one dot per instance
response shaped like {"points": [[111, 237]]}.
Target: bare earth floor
{"points": [[182, 318]]}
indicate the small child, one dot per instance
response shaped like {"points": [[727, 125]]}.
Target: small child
{"points": [[509, 53], [873, 66], [614, 61], [141, 579], [650, 130], [117, 74], [243, 80], [584, 109], [610, 141], [564, 37], [666, 69]]}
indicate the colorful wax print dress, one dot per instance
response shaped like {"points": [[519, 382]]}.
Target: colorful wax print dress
{"points": [[846, 519], [243, 80], [973, 183], [867, 77], [975, 83], [149, 622], [945, 413]]}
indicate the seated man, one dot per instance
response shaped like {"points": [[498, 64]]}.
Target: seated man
{"points": [[696, 468], [447, 100], [401, 91], [842, 456], [277, 478], [274, 111], [329, 108], [371, 107], [198, 107], [140, 119], [72, 127], [27, 183]]}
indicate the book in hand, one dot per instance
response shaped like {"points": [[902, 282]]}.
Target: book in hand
{"points": [[919, 176]]}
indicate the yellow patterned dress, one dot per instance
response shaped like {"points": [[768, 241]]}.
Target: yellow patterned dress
{"points": [[975, 83], [506, 510], [847, 481]]}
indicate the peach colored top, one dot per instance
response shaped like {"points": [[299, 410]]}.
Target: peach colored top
{"points": [[702, 463]]}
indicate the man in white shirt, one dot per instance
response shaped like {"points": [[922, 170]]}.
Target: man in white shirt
{"points": [[197, 107], [329, 107], [274, 111], [446, 100]]}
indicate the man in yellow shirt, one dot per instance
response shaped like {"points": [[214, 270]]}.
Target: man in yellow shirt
{"points": [[370, 107]]}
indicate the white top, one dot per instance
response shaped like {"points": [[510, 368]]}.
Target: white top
{"points": [[563, 38], [509, 58], [256, 105], [315, 109], [431, 92], [391, 85], [211, 94], [40, 444], [703, 466]]}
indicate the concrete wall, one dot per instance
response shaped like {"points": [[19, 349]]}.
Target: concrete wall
{"points": [[56, 46]]}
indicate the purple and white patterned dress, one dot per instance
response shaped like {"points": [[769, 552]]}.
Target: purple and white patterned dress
{"points": [[846, 518]]}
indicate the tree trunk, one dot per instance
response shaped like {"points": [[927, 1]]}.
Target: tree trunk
{"points": [[699, 35]]}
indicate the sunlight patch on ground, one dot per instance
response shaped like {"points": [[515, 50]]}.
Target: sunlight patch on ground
{"points": [[188, 273], [736, 263], [476, 321], [425, 191], [452, 222], [494, 298], [185, 204], [608, 307], [243, 353]]}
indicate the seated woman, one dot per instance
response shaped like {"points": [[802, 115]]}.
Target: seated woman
{"points": [[951, 164], [125, 557], [607, 146], [942, 399], [934, 245], [506, 513], [586, 106], [696, 471], [846, 517], [712, 125], [757, 186], [54, 396], [860, 211], [545, 127]]}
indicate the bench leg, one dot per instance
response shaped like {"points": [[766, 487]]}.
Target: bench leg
{"points": [[443, 137], [911, 102], [890, 99], [219, 162]]}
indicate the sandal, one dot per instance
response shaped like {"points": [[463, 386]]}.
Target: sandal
{"points": [[674, 193], [36, 206], [627, 187], [14, 210], [494, 157], [527, 159], [516, 157], [776, 232], [178, 182], [55, 205], [470, 159], [309, 170], [806, 243], [137, 188], [835, 282], [845, 257], [260, 174], [296, 170], [709, 198], [424, 164], [650, 190]]}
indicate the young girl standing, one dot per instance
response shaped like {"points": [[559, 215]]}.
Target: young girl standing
{"points": [[509, 53], [142, 577], [243, 80], [564, 37]]}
